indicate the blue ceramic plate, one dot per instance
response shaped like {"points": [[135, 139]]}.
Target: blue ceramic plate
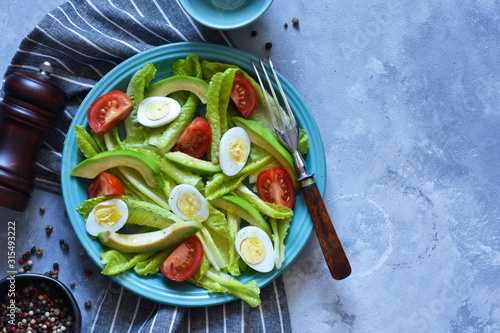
{"points": [[225, 14], [157, 287]]}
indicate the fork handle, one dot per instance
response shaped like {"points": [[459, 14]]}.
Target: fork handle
{"points": [[333, 251]]}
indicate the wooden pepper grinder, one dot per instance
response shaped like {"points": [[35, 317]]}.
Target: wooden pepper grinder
{"points": [[29, 109]]}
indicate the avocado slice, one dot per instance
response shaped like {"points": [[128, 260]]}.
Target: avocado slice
{"points": [[263, 138], [191, 164], [243, 209], [150, 241], [179, 82], [105, 160]]}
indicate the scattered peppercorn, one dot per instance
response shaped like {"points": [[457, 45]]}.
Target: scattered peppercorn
{"points": [[33, 250], [269, 45], [48, 229], [63, 244], [42, 209], [39, 251], [88, 271], [254, 33], [88, 304], [295, 21], [286, 25], [72, 284], [55, 265], [21, 261]]}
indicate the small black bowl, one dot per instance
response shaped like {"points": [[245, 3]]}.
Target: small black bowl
{"points": [[19, 281]]}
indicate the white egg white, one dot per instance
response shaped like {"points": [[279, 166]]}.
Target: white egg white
{"points": [[94, 227], [267, 263], [230, 167], [175, 201], [157, 111]]}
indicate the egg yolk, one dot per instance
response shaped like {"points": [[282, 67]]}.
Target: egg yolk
{"points": [[188, 204], [238, 150], [107, 214], [157, 110], [253, 250]]}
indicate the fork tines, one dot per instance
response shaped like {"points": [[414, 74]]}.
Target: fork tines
{"points": [[283, 96]]}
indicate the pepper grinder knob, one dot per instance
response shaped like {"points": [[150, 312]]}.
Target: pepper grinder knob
{"points": [[29, 109]]}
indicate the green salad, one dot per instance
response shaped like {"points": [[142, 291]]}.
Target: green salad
{"points": [[195, 186]]}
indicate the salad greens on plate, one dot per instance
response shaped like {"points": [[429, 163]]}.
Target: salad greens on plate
{"points": [[149, 163]]}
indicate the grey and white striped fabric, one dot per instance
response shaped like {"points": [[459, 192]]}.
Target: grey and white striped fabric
{"points": [[120, 311], [84, 39]]}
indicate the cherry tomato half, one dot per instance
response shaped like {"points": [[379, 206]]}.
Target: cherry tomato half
{"points": [[105, 184], [244, 96], [196, 138], [275, 186], [184, 261], [108, 111]]}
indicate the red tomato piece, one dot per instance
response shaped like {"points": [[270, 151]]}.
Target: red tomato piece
{"points": [[275, 185], [184, 261], [105, 184], [196, 138], [108, 111], [244, 96]]}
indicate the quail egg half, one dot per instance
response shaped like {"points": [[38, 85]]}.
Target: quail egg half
{"points": [[158, 111], [108, 215], [188, 203], [255, 248], [234, 149]]}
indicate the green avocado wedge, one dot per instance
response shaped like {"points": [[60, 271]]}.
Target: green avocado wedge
{"points": [[191, 164], [242, 208], [149, 241], [176, 83], [103, 161], [263, 138]]}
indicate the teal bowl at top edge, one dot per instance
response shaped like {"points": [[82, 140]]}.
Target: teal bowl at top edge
{"points": [[214, 16]]}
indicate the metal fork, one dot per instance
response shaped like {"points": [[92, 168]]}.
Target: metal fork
{"points": [[288, 133]]}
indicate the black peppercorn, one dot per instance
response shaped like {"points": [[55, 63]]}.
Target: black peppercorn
{"points": [[254, 33], [88, 304], [48, 229], [295, 21], [269, 45]]}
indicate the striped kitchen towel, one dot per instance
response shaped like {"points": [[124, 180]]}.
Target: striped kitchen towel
{"points": [[83, 40]]}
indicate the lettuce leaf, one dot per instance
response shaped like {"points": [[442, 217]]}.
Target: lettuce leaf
{"points": [[213, 281], [152, 264], [85, 142], [280, 230], [117, 262], [233, 222], [135, 90], [266, 208]]}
